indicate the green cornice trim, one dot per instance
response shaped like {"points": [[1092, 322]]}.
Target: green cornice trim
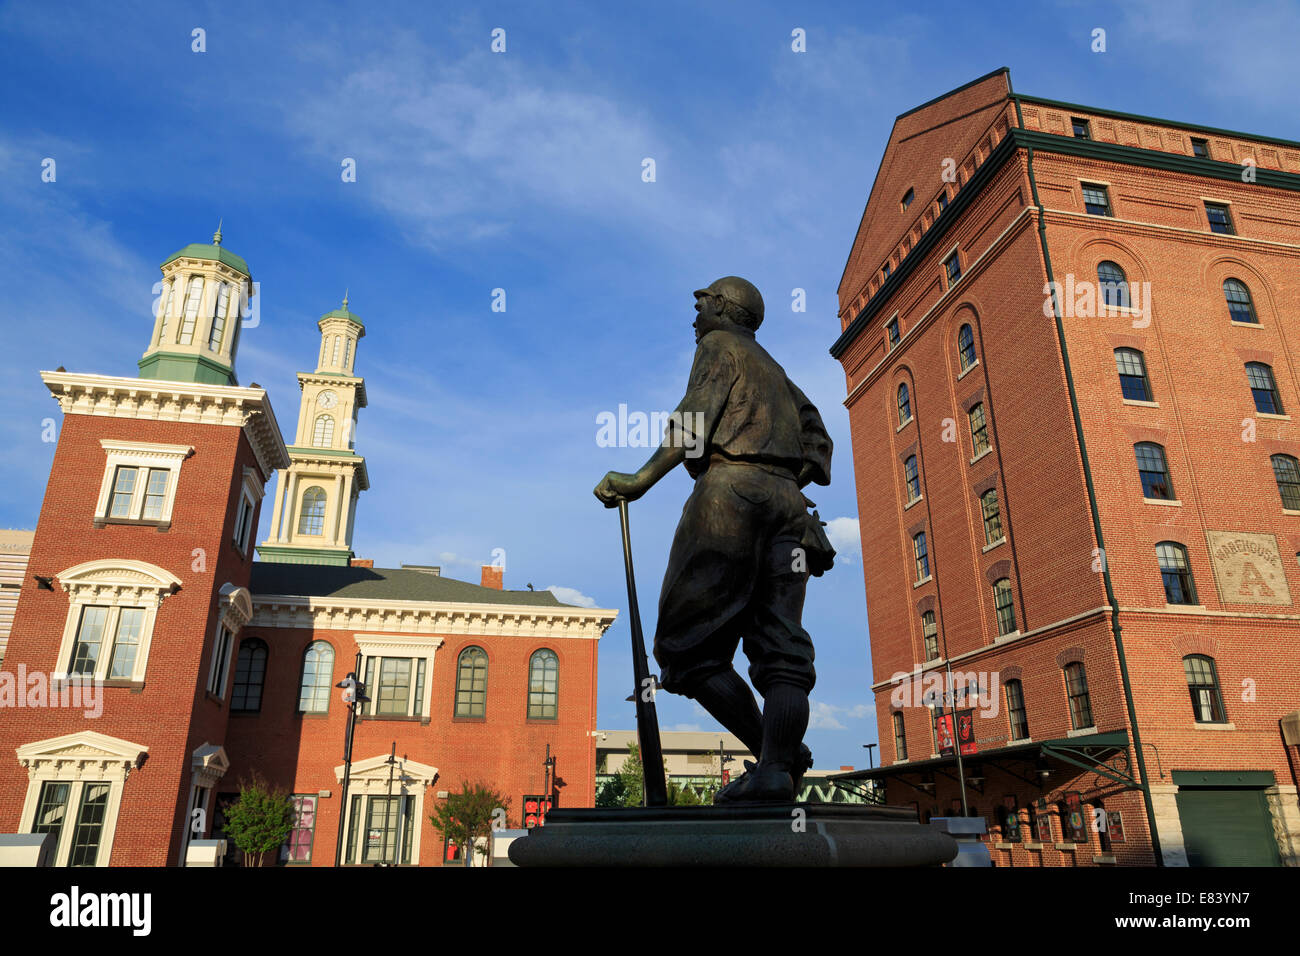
{"points": [[278, 554], [1224, 778], [1139, 118], [1017, 139], [185, 367], [1153, 159], [332, 452]]}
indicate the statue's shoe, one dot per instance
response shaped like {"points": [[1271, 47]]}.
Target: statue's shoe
{"points": [[803, 765], [758, 785]]}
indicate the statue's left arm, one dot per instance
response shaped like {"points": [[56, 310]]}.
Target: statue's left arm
{"points": [[814, 441]]}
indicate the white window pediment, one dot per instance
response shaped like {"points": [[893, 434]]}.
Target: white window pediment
{"points": [[123, 590], [210, 764], [236, 606], [84, 754], [373, 772]]}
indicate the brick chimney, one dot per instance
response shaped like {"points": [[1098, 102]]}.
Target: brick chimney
{"points": [[362, 563], [494, 577]]}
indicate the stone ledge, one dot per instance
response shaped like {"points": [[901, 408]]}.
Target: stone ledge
{"points": [[757, 835]]}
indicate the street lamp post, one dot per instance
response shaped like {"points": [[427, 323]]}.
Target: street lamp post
{"points": [[353, 695]]}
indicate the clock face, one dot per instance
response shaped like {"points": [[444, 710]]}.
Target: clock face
{"points": [[327, 399]]}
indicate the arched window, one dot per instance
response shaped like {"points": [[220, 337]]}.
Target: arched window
{"points": [[1076, 688], [1004, 605], [250, 673], [1133, 381], [192, 296], [317, 678], [992, 516], [1016, 710], [219, 317], [913, 478], [1240, 307], [930, 631], [1112, 285], [1203, 684], [1263, 388], [1176, 572], [1287, 472], [334, 355], [471, 683], [322, 435], [900, 738], [347, 351], [312, 518], [966, 347], [979, 430], [1153, 471], [543, 684], [922, 557], [904, 404]]}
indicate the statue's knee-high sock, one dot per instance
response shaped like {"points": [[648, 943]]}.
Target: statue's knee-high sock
{"points": [[785, 718], [728, 698]]}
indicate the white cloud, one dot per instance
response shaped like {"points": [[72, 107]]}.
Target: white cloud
{"points": [[845, 538], [824, 716], [571, 596], [686, 728]]}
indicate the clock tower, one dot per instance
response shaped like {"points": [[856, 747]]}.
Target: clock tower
{"points": [[316, 497]]}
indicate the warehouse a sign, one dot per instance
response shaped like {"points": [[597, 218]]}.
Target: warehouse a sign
{"points": [[1247, 568]]}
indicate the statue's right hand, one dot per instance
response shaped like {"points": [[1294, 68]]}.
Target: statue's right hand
{"points": [[616, 485]]}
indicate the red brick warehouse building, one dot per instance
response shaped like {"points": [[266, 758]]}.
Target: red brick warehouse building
{"points": [[1069, 342], [212, 665]]}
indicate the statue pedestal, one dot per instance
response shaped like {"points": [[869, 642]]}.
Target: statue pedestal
{"points": [[793, 834]]}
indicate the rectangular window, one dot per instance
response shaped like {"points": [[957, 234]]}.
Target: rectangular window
{"points": [[90, 638], [51, 809], [219, 317], [1016, 710], [892, 329], [123, 492], [992, 516], [297, 847], [908, 197], [1219, 218], [1076, 685], [1096, 200], [244, 523], [394, 686], [943, 200], [220, 662], [126, 644], [90, 825], [1080, 128], [952, 265], [922, 557], [192, 297], [380, 833], [1200, 148], [884, 272], [155, 494], [979, 430]]}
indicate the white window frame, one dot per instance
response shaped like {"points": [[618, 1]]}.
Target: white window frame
{"points": [[209, 764], [250, 494], [370, 778], [236, 610], [114, 583], [85, 757], [142, 455], [377, 647]]}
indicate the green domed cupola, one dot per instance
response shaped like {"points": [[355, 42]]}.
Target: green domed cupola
{"points": [[205, 291]]}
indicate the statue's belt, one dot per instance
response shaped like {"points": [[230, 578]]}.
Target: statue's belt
{"points": [[781, 471]]}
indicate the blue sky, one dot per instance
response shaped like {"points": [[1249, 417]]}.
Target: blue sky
{"points": [[522, 170]]}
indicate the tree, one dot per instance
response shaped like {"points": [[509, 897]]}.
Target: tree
{"points": [[627, 788], [472, 813], [260, 819]]}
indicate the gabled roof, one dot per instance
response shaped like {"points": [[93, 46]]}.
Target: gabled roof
{"points": [[946, 127]]}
